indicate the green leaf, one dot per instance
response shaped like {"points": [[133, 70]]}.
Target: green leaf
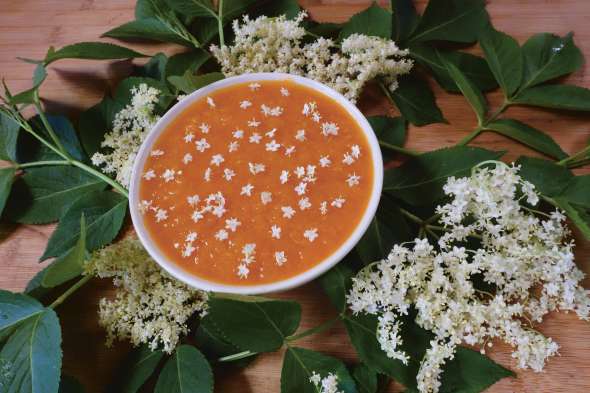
{"points": [[194, 8], [366, 379], [69, 265], [234, 8], [214, 345], [404, 20], [528, 136], [471, 372], [373, 21], [387, 228], [577, 191], [140, 365], [27, 96], [504, 57], [579, 215], [32, 356], [180, 63], [299, 364], [419, 181], [451, 20], [91, 51], [187, 371], [147, 29], [30, 149], [70, 385], [289, 8], [416, 102], [8, 137], [104, 212], [391, 131], [337, 282], [473, 95], [568, 97], [473, 67], [258, 324], [42, 195], [155, 68], [96, 121], [15, 308], [190, 82], [34, 288], [549, 178], [547, 56], [6, 180]]}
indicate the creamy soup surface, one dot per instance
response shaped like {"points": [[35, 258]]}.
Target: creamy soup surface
{"points": [[256, 183]]}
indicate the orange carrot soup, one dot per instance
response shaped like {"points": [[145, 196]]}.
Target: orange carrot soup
{"points": [[256, 183]]}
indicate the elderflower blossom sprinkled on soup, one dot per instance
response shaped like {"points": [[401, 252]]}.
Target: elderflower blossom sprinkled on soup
{"points": [[256, 183]]}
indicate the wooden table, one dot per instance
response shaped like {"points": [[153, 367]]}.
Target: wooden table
{"points": [[29, 27]]}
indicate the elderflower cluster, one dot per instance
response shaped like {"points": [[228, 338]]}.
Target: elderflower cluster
{"points": [[276, 45], [525, 256], [328, 384], [130, 127], [150, 307]]}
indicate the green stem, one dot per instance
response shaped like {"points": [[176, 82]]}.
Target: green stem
{"points": [[27, 127], [237, 356], [411, 216], [580, 163], [475, 133], [399, 149], [220, 23], [575, 157], [41, 163], [70, 291], [470, 137], [318, 329], [48, 125], [101, 176]]}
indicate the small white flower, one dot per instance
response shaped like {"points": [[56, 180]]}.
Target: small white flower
{"points": [[355, 150], [272, 146], [161, 215], [228, 174], [193, 200], [300, 135], [217, 159], [255, 138], [325, 161], [149, 175], [284, 176], [311, 234], [288, 212], [353, 180], [238, 134], [210, 102], [187, 158], [254, 86], [304, 203], [253, 123], [207, 175], [202, 145], [191, 237], [197, 216], [271, 111], [245, 104], [271, 133], [300, 172], [284, 92], [301, 188], [188, 137], [247, 190], [338, 202], [280, 258], [157, 153], [324, 207], [188, 250], [330, 129], [265, 197], [221, 235], [348, 159], [243, 270], [289, 150], [256, 168], [205, 128], [232, 224], [275, 232], [233, 146], [168, 175]]}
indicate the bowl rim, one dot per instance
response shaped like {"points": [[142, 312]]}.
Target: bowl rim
{"points": [[302, 278]]}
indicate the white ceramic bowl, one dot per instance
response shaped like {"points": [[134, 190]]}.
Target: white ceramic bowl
{"points": [[291, 282]]}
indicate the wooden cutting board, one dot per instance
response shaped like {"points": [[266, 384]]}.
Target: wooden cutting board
{"points": [[29, 27]]}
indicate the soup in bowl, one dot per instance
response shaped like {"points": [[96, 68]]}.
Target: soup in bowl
{"points": [[256, 183]]}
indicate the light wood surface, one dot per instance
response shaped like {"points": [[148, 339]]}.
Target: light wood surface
{"points": [[29, 27]]}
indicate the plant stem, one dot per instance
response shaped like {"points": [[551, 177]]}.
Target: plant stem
{"points": [[237, 356], [475, 133], [220, 23], [399, 149], [70, 291], [575, 157], [470, 137], [318, 329], [101, 176], [411, 216], [48, 125], [41, 163]]}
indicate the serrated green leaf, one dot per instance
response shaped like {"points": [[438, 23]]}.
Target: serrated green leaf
{"points": [[9, 130], [194, 7], [34, 288], [549, 178], [547, 56], [419, 181], [190, 82], [326, 30], [6, 181], [528, 136], [155, 68], [577, 191], [391, 133], [95, 122], [336, 283], [387, 228], [147, 29], [31, 358], [299, 364], [416, 102], [180, 63], [104, 212], [92, 51], [234, 8], [405, 19], [289, 8], [568, 97], [187, 371], [258, 325], [42, 195], [366, 379], [16, 308], [69, 265], [579, 215], [215, 346], [373, 21], [473, 95], [451, 20], [504, 57], [473, 67], [139, 366]]}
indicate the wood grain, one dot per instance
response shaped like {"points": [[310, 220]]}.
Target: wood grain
{"points": [[29, 27]]}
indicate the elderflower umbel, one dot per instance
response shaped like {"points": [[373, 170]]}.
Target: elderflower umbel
{"points": [[276, 45], [328, 384], [130, 127], [526, 256], [150, 307]]}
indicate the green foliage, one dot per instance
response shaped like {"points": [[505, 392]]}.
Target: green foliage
{"points": [[190, 82], [568, 97], [299, 364], [419, 181], [139, 366], [27, 96], [391, 132], [15, 309], [404, 20], [504, 57], [91, 51], [42, 195], [6, 180], [366, 379], [187, 371], [96, 121], [104, 212], [254, 323], [337, 282], [473, 95], [416, 102], [148, 28], [549, 178], [9, 130], [374, 21]]}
